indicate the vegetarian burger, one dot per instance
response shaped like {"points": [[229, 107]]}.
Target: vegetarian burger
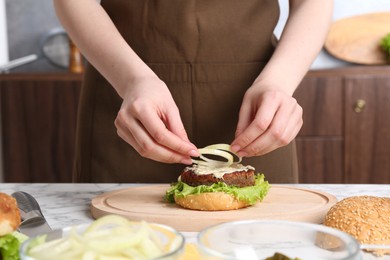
{"points": [[211, 184]]}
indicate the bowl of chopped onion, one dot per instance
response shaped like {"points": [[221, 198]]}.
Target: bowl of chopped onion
{"points": [[109, 237]]}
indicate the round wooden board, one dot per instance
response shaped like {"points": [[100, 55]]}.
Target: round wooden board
{"points": [[147, 203], [357, 39]]}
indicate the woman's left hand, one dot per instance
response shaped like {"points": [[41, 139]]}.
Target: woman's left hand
{"points": [[268, 119]]}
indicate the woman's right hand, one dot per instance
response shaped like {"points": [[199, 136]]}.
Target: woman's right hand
{"points": [[149, 119], [150, 122]]}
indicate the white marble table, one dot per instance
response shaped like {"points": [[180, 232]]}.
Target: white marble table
{"points": [[68, 204]]}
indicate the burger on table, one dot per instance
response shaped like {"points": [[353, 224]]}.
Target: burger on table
{"points": [[218, 181]]}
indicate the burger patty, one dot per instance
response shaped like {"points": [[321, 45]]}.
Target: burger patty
{"points": [[239, 178]]}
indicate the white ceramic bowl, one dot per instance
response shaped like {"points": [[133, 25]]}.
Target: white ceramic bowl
{"points": [[259, 239], [172, 240]]}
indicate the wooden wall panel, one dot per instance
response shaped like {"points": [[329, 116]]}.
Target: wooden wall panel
{"points": [[320, 160], [335, 144], [367, 140], [322, 101], [38, 124]]}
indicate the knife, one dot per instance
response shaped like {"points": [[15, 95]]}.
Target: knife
{"points": [[33, 221]]}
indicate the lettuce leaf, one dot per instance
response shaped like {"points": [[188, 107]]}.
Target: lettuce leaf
{"points": [[9, 247], [250, 194], [385, 44], [20, 236]]}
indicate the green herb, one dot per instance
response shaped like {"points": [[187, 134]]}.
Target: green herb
{"points": [[279, 256], [385, 44], [9, 247]]}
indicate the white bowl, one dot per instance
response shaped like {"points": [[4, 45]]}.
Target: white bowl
{"points": [[172, 240], [259, 239]]}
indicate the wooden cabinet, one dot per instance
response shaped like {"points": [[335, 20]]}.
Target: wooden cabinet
{"points": [[345, 137], [38, 117], [367, 128], [346, 132], [321, 138]]}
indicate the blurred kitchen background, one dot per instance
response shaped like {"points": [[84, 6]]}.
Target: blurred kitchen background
{"points": [[25, 24], [28, 22]]}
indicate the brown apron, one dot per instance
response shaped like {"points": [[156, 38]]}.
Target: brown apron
{"points": [[208, 52]]}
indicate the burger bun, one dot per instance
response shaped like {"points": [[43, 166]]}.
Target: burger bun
{"points": [[367, 218], [211, 201]]}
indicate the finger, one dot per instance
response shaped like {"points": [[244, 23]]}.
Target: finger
{"points": [[163, 136], [125, 134], [135, 134], [284, 128], [244, 118], [260, 123], [264, 143], [275, 145], [175, 125]]}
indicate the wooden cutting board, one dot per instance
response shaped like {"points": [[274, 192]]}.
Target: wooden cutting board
{"points": [[147, 203], [357, 39]]}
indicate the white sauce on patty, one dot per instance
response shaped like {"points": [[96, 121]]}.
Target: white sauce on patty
{"points": [[218, 172]]}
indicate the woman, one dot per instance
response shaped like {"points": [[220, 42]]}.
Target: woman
{"points": [[170, 76]]}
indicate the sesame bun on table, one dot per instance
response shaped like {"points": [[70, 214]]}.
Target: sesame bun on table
{"points": [[366, 218], [214, 185]]}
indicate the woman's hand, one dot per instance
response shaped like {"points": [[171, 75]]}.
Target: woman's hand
{"points": [[149, 121], [268, 119], [269, 116]]}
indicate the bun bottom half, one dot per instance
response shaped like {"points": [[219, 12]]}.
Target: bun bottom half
{"points": [[211, 201]]}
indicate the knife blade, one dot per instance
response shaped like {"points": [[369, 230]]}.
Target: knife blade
{"points": [[33, 221]]}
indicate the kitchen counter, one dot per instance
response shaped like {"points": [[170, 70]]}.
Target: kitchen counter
{"points": [[68, 204]]}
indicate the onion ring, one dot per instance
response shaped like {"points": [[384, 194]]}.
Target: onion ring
{"points": [[221, 150]]}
